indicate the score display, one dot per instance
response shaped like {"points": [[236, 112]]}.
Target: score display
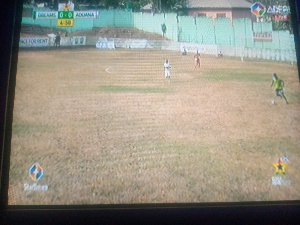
{"points": [[65, 15], [65, 19]]}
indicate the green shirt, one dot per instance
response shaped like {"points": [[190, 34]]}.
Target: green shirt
{"points": [[278, 84]]}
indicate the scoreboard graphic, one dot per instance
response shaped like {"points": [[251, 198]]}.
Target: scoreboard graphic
{"points": [[65, 15]]}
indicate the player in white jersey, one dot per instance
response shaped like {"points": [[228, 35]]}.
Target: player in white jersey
{"points": [[167, 69]]}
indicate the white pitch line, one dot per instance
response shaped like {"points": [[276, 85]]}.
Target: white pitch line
{"points": [[107, 70]]}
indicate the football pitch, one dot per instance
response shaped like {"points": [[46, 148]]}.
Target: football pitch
{"points": [[108, 128]]}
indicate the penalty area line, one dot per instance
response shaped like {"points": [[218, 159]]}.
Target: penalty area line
{"points": [[107, 70]]}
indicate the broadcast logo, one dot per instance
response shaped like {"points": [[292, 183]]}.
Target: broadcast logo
{"points": [[36, 172], [258, 9], [281, 177]]}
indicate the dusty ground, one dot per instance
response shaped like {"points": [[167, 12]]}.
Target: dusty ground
{"points": [[108, 128]]}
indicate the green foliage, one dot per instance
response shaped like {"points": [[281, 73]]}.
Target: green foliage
{"points": [[87, 2], [135, 5], [37, 1], [282, 25], [111, 3], [172, 5]]}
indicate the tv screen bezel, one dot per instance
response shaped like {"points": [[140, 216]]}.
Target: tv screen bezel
{"points": [[11, 13]]}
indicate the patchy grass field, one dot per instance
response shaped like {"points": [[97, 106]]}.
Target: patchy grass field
{"points": [[108, 128]]}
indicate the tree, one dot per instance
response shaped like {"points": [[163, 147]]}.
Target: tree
{"points": [[173, 5], [37, 1], [135, 5], [112, 3]]}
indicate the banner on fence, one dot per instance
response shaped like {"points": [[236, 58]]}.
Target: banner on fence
{"points": [[78, 40], [270, 54], [34, 42], [262, 36], [130, 43], [194, 47], [64, 41], [104, 43]]}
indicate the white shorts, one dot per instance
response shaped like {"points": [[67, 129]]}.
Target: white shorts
{"points": [[167, 73]]}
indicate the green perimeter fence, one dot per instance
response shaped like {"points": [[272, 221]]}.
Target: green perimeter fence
{"points": [[223, 32]]}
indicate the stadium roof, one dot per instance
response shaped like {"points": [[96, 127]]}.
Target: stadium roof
{"points": [[219, 4]]}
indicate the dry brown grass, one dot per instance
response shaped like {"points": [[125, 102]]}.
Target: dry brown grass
{"points": [[108, 128]]}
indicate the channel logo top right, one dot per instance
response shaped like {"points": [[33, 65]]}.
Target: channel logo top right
{"points": [[258, 9]]}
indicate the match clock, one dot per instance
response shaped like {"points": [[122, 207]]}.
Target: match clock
{"points": [[65, 22]]}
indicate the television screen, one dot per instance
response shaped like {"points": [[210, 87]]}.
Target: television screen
{"points": [[152, 102]]}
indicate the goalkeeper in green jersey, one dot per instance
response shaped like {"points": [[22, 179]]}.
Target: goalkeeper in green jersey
{"points": [[278, 84]]}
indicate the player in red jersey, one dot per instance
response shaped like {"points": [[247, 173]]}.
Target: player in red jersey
{"points": [[197, 59]]}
